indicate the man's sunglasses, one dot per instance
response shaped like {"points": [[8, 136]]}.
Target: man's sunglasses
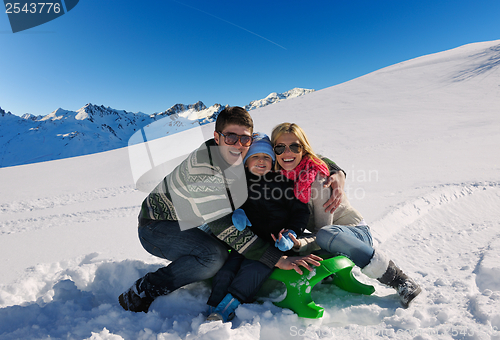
{"points": [[232, 138], [294, 147]]}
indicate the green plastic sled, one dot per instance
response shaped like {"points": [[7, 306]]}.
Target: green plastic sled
{"points": [[299, 287]]}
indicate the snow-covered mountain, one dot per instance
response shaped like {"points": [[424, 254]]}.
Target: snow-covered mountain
{"points": [[277, 97], [63, 133]]}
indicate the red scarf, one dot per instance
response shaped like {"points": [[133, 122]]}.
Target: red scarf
{"points": [[303, 175]]}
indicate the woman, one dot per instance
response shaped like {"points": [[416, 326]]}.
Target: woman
{"points": [[343, 232]]}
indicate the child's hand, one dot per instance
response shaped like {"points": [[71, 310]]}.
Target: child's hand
{"points": [[296, 243], [240, 219], [284, 241]]}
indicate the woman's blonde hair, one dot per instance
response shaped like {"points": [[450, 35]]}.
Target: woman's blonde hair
{"points": [[307, 150]]}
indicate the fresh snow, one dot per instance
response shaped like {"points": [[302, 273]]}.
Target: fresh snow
{"points": [[419, 141]]}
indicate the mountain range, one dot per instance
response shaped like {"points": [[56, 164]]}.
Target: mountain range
{"points": [[93, 128]]}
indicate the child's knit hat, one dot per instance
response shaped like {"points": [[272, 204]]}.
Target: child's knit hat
{"points": [[261, 144]]}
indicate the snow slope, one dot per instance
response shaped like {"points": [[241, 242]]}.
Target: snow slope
{"points": [[419, 141]]}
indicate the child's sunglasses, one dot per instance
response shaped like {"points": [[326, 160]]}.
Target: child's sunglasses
{"points": [[294, 147], [232, 138]]}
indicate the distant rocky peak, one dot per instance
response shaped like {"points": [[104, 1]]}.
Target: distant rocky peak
{"points": [[3, 113], [55, 115], [98, 110], [29, 116], [91, 111], [178, 108], [274, 97]]}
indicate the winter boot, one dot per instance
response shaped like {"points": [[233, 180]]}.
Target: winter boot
{"points": [[134, 301], [386, 272], [225, 309], [404, 285]]}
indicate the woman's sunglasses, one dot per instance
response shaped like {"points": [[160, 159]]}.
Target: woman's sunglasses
{"points": [[232, 138], [294, 147]]}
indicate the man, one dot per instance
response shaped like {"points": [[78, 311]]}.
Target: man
{"points": [[205, 188]]}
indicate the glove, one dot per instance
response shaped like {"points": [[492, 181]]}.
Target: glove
{"points": [[240, 220], [285, 243]]}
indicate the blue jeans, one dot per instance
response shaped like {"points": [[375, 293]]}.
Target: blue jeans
{"points": [[353, 242], [239, 276], [195, 256]]}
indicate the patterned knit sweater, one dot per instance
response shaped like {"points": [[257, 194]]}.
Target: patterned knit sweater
{"points": [[205, 189]]}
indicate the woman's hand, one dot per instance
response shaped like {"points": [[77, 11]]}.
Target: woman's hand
{"points": [[336, 182], [293, 262]]}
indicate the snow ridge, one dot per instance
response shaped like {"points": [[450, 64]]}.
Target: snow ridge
{"points": [[277, 97], [483, 62], [436, 198]]}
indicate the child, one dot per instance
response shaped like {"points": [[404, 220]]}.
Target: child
{"points": [[343, 232], [271, 209]]}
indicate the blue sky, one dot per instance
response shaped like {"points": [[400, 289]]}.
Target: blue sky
{"points": [[149, 55]]}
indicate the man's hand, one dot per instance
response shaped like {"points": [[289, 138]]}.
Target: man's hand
{"points": [[293, 262], [336, 182]]}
